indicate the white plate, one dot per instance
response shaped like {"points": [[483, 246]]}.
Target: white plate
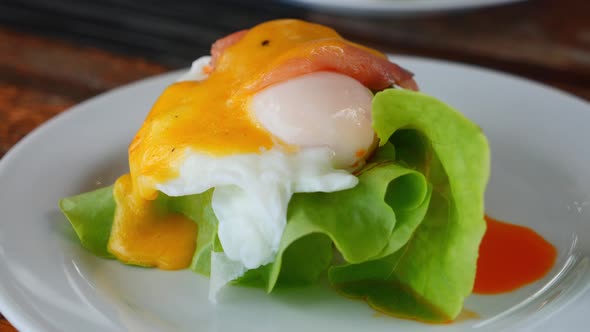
{"points": [[394, 7], [540, 178]]}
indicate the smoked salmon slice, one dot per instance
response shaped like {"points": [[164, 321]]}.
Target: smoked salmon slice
{"points": [[219, 46], [367, 66]]}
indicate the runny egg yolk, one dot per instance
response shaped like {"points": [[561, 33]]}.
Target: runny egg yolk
{"points": [[219, 117]]}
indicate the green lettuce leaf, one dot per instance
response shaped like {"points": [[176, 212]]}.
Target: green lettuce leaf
{"points": [[434, 271], [91, 215], [360, 221]]}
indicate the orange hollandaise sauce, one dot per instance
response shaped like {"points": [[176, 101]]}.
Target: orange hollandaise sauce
{"points": [[142, 235], [211, 117], [511, 256]]}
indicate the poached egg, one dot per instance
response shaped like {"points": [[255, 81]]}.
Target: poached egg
{"points": [[258, 123]]}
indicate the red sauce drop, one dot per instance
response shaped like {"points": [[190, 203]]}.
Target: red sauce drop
{"points": [[511, 256]]}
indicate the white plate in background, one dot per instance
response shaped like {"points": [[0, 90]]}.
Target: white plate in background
{"points": [[394, 7]]}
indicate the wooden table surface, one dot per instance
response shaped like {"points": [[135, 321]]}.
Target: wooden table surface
{"points": [[45, 70]]}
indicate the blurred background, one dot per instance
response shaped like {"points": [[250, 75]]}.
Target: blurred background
{"points": [[54, 54]]}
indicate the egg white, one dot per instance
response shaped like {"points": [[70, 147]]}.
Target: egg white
{"points": [[250, 200], [196, 72], [253, 190]]}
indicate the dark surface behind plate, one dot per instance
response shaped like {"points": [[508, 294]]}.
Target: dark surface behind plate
{"points": [[170, 33]]}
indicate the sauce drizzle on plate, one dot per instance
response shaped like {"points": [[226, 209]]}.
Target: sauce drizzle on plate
{"points": [[511, 256]]}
